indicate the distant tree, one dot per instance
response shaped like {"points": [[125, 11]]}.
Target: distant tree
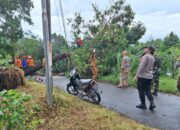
{"points": [[5, 47], [110, 31], [59, 46], [77, 24], [135, 33], [12, 12], [171, 40], [30, 46]]}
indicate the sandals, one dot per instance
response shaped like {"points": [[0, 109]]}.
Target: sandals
{"points": [[119, 86]]}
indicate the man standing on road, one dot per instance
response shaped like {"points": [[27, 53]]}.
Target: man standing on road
{"points": [[93, 64], [144, 78], [125, 67], [156, 75], [177, 66]]}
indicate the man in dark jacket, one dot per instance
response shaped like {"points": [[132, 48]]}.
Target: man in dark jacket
{"points": [[156, 75]]}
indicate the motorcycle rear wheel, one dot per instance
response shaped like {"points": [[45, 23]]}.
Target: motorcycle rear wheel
{"points": [[94, 96]]}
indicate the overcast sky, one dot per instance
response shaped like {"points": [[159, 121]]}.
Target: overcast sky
{"points": [[159, 16]]}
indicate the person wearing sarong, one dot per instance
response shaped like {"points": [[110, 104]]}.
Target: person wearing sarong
{"points": [[125, 68]]}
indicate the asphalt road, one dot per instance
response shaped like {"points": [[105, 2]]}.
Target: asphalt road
{"points": [[166, 116]]}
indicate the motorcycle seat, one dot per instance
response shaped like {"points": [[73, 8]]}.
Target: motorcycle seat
{"points": [[85, 82]]}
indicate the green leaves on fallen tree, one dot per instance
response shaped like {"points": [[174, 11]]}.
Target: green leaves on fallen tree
{"points": [[110, 31]]}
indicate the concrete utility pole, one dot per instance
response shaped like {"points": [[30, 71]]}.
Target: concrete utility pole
{"points": [[46, 19]]}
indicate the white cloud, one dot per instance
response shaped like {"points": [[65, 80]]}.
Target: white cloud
{"points": [[160, 17], [149, 6], [159, 24]]}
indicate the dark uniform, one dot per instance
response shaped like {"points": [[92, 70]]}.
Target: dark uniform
{"points": [[156, 75], [177, 66]]}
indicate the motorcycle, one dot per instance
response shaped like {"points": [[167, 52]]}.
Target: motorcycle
{"points": [[83, 88]]}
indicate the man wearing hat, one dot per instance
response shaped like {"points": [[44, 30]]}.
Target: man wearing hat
{"points": [[144, 78]]}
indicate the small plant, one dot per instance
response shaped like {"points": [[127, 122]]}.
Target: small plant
{"points": [[13, 112], [4, 61]]}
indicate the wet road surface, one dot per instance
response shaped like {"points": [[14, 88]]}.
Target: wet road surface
{"points": [[166, 116]]}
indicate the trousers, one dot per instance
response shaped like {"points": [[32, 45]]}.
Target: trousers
{"points": [[144, 88]]}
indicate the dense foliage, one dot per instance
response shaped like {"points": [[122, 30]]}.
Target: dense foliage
{"points": [[12, 13], [113, 30], [110, 31], [35, 48], [14, 114]]}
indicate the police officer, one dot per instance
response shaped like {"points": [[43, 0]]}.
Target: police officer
{"points": [[156, 75], [144, 78]]}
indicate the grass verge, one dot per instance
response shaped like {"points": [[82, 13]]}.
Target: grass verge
{"points": [[114, 79], [71, 113], [166, 84]]}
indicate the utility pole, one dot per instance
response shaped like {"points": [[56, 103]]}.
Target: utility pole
{"points": [[46, 19]]}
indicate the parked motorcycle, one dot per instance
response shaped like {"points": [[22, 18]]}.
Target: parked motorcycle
{"points": [[83, 88]]}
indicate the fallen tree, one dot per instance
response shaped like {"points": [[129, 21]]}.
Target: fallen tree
{"points": [[11, 78], [39, 66]]}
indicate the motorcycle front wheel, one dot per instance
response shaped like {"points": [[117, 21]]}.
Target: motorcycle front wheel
{"points": [[94, 96], [71, 89]]}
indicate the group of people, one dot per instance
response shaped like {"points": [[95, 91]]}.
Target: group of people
{"points": [[147, 75], [24, 62]]}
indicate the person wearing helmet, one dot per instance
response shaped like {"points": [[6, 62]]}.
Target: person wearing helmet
{"points": [[18, 62], [30, 61]]}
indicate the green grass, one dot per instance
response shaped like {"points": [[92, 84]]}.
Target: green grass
{"points": [[72, 113], [167, 84], [114, 79]]}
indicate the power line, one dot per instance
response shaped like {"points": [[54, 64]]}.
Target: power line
{"points": [[57, 15], [63, 20], [65, 33]]}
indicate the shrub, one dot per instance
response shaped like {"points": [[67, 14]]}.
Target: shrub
{"points": [[13, 112]]}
